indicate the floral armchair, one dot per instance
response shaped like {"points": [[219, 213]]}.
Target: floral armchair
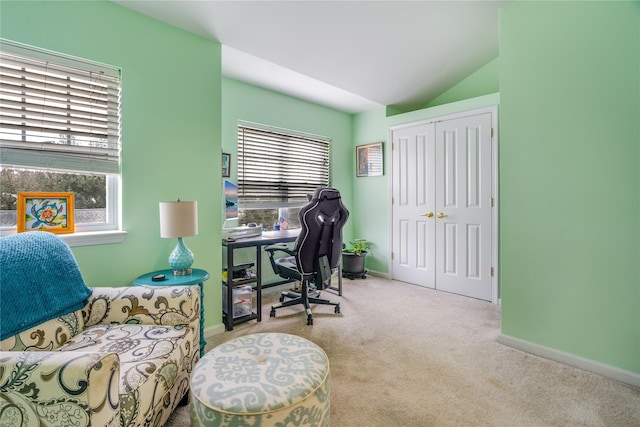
{"points": [[123, 358]]}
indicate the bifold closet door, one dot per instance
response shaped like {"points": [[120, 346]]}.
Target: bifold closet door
{"points": [[463, 206], [441, 205], [413, 187]]}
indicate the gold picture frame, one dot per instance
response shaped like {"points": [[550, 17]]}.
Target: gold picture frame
{"points": [[46, 211], [369, 160]]}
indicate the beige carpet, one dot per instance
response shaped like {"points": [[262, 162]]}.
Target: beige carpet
{"points": [[402, 355]]}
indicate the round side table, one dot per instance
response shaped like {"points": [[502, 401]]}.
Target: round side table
{"points": [[197, 277]]}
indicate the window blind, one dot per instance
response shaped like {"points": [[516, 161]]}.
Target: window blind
{"points": [[58, 112], [278, 169]]}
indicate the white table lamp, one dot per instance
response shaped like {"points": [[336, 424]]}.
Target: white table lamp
{"points": [[179, 219]]}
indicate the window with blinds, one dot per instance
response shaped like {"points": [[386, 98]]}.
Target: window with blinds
{"points": [[277, 168], [60, 114], [53, 113]]}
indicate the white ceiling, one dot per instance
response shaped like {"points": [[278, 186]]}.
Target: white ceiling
{"points": [[350, 55]]}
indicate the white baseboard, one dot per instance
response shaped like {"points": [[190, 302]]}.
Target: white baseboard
{"points": [[572, 360], [379, 274]]}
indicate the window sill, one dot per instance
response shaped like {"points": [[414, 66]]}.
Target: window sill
{"points": [[94, 238], [87, 238]]}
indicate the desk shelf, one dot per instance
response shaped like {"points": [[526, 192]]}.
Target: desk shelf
{"points": [[242, 319], [267, 238], [240, 282]]}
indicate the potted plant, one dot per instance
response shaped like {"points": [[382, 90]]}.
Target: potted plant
{"points": [[353, 258]]}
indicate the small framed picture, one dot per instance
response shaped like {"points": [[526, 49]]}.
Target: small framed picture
{"points": [[369, 159], [226, 164], [46, 211]]}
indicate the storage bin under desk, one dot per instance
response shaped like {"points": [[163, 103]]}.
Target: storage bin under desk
{"points": [[241, 300], [229, 246]]}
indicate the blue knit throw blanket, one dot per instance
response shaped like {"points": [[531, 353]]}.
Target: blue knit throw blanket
{"points": [[39, 281]]}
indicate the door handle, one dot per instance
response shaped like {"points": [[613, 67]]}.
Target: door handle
{"points": [[428, 214], [442, 215]]}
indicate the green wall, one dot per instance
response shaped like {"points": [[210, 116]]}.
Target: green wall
{"points": [[372, 194], [171, 120], [245, 102], [569, 184], [483, 81]]}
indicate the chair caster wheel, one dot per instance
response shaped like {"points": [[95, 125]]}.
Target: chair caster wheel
{"points": [[309, 320], [281, 298], [337, 309], [273, 312]]}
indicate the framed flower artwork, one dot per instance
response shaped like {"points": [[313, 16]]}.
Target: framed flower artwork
{"points": [[46, 211]]}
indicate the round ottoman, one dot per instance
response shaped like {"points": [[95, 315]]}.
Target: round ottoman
{"points": [[261, 380]]}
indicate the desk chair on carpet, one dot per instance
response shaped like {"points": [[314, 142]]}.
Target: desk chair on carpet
{"points": [[316, 252]]}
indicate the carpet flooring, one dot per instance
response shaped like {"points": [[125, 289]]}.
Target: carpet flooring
{"points": [[403, 355]]}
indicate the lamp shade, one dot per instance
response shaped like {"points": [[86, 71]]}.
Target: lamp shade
{"points": [[178, 219]]}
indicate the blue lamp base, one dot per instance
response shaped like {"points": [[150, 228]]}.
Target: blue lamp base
{"points": [[180, 259]]}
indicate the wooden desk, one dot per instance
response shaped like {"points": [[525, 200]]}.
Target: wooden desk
{"points": [[267, 238]]}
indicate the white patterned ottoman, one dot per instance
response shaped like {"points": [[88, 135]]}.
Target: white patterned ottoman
{"points": [[268, 379]]}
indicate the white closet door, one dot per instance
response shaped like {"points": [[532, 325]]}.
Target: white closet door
{"points": [[413, 222], [463, 206], [441, 213]]}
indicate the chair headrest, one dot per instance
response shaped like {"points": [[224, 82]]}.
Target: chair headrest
{"points": [[325, 194]]}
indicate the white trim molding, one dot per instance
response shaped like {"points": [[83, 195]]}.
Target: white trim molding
{"points": [[86, 238], [572, 360], [94, 238], [379, 274]]}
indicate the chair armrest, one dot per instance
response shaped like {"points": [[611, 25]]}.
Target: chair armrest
{"points": [[150, 305], [59, 388], [279, 248]]}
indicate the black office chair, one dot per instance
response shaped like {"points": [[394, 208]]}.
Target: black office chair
{"points": [[316, 252]]}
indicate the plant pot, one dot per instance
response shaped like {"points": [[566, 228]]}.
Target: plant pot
{"points": [[353, 265]]}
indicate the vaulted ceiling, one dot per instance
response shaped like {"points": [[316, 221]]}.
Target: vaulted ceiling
{"points": [[350, 55]]}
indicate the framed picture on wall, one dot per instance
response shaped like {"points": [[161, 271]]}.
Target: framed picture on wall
{"points": [[226, 164], [46, 211], [369, 159], [231, 199]]}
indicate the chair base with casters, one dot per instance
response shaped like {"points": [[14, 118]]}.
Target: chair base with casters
{"points": [[307, 305], [305, 297]]}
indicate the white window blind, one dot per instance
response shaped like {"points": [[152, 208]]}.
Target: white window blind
{"points": [[57, 111], [278, 168]]}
